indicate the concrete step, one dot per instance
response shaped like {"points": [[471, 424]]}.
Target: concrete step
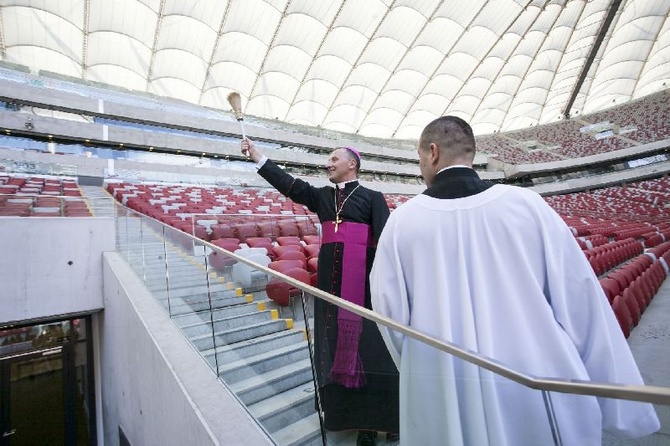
{"points": [[205, 342], [305, 432], [219, 313], [229, 323], [255, 346], [286, 408], [198, 286], [196, 304], [175, 264], [195, 294], [236, 371], [156, 270], [265, 385]]}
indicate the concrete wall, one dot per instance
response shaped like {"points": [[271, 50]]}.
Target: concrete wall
{"points": [[97, 167], [604, 180], [606, 157], [149, 110], [51, 266], [154, 384]]}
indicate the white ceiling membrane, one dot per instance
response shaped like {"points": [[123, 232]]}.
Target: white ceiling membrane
{"points": [[380, 68]]}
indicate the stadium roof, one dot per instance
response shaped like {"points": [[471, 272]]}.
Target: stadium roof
{"points": [[381, 68]]}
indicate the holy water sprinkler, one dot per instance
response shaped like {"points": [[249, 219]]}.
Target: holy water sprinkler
{"points": [[235, 101]]}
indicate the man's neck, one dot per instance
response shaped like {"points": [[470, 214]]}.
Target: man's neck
{"points": [[453, 166]]}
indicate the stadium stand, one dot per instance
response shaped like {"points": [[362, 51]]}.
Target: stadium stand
{"points": [[41, 196], [634, 123]]}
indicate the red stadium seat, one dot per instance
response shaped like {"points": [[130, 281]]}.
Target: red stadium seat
{"points": [[622, 314], [294, 255], [220, 261], [243, 231], [311, 239], [222, 230], [633, 307], [284, 265], [288, 228], [277, 251], [311, 250], [281, 292], [288, 240], [312, 265]]}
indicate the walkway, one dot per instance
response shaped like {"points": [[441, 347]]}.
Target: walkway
{"points": [[650, 344]]}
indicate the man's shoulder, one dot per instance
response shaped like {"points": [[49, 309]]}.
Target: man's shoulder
{"points": [[518, 191], [369, 190]]}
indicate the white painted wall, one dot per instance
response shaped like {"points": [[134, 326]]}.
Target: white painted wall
{"points": [[52, 266]]}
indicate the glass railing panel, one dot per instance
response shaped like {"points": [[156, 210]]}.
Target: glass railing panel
{"points": [[122, 231], [262, 352], [170, 272], [134, 230], [154, 267]]}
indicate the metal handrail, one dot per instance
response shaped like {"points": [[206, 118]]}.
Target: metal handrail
{"points": [[650, 394]]}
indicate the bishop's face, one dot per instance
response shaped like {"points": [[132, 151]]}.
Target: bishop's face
{"points": [[340, 166]]}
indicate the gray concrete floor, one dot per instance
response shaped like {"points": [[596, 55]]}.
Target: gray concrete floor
{"points": [[650, 344]]}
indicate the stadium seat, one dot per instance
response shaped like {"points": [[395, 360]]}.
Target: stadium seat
{"points": [[611, 288], [288, 240], [633, 307], [311, 250], [245, 230], [268, 229], [312, 264], [281, 292], [294, 255], [220, 261], [622, 314], [277, 251], [246, 275], [629, 293], [288, 228], [284, 265], [222, 230], [311, 239]]}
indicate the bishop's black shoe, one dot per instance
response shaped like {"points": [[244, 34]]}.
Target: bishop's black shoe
{"points": [[366, 438]]}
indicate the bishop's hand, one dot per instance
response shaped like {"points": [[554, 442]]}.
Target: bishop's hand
{"points": [[250, 150]]}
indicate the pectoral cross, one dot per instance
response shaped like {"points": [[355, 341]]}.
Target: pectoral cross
{"points": [[338, 220]]}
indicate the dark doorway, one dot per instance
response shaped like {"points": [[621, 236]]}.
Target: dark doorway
{"points": [[46, 384]]}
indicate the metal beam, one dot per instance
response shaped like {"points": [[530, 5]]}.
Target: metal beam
{"points": [[613, 9]]}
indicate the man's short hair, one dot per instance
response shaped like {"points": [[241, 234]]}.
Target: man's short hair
{"points": [[451, 133], [353, 155]]}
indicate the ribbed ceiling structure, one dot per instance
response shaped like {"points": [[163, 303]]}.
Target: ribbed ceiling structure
{"points": [[381, 68]]}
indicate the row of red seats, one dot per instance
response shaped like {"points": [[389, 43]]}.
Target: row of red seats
{"points": [[631, 288], [31, 196], [605, 257], [648, 119], [291, 255]]}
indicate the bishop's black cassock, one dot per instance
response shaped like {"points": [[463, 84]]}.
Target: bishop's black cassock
{"points": [[373, 403]]}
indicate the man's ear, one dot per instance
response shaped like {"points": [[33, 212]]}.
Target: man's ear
{"points": [[434, 153]]}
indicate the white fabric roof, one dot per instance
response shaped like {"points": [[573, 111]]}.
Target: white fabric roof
{"points": [[381, 68]]}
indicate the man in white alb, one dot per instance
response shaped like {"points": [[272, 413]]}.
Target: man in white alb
{"points": [[493, 269]]}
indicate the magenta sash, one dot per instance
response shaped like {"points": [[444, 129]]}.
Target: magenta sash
{"points": [[347, 367]]}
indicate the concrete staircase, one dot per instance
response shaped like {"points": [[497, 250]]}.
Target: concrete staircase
{"points": [[100, 203], [261, 357]]}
